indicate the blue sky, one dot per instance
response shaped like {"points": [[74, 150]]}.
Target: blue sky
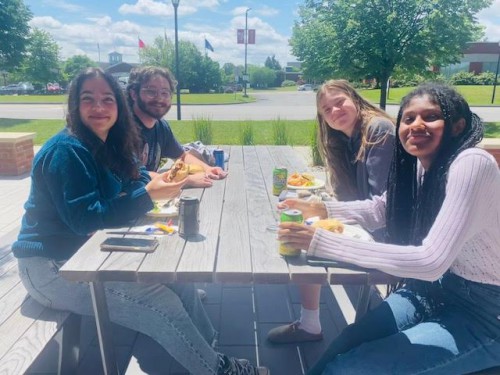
{"points": [[79, 26]]}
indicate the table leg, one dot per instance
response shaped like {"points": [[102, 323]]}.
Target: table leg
{"points": [[103, 328], [363, 300]]}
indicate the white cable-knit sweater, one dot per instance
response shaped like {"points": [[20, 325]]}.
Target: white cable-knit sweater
{"points": [[464, 238]]}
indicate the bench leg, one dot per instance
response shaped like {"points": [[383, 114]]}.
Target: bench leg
{"points": [[363, 301], [103, 323], [69, 350]]}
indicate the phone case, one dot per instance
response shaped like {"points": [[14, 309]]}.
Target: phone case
{"points": [[143, 245]]}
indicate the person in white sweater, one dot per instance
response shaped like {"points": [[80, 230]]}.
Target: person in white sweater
{"points": [[442, 217]]}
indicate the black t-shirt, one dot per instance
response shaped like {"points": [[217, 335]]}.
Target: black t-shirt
{"points": [[158, 142]]}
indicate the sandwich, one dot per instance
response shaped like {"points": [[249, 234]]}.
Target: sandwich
{"points": [[180, 170], [332, 225]]}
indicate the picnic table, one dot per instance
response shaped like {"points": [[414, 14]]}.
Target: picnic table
{"points": [[233, 245]]}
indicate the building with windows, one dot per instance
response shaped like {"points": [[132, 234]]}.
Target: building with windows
{"points": [[478, 57]]}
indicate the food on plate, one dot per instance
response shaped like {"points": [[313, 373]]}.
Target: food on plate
{"points": [[180, 170], [301, 179], [332, 225]]}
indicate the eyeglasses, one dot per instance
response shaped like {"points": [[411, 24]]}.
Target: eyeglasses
{"points": [[154, 93]]}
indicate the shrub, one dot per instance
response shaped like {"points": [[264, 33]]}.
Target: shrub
{"points": [[203, 130], [287, 83], [485, 78], [462, 78], [316, 157], [246, 134], [280, 135]]}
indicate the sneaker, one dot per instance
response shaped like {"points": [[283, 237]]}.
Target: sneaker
{"points": [[202, 294], [235, 366], [292, 333]]}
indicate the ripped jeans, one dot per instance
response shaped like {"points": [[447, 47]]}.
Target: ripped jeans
{"points": [[172, 315], [447, 327]]}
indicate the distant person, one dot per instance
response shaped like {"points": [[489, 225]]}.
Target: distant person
{"points": [[87, 178], [356, 142], [149, 93], [442, 217]]}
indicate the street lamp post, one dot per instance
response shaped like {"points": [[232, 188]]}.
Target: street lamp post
{"points": [[496, 76], [175, 3], [246, 43]]}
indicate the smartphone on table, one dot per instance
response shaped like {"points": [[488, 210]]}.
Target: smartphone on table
{"points": [[143, 245]]}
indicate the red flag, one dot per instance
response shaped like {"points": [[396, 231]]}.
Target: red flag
{"points": [[141, 43]]}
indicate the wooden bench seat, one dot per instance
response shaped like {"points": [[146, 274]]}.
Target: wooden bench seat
{"points": [[26, 327]]}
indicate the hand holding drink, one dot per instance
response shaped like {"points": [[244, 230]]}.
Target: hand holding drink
{"points": [[294, 216]]}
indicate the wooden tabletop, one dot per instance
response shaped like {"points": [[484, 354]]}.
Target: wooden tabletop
{"points": [[233, 245]]}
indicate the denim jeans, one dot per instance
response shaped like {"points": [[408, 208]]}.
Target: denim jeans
{"points": [[447, 327], [172, 315]]}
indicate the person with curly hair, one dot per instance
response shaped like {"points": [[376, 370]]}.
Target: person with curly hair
{"points": [[355, 141], [442, 214]]}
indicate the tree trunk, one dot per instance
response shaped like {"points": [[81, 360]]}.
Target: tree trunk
{"points": [[383, 91]]}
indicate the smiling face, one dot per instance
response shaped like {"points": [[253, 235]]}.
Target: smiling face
{"points": [[338, 111], [154, 98], [97, 106], [421, 129]]}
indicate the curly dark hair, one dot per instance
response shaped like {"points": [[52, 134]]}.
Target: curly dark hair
{"points": [[142, 74], [412, 208], [119, 152]]}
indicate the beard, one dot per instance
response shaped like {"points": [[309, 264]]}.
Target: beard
{"points": [[150, 108]]}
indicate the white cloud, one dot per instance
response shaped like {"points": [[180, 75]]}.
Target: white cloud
{"points": [[64, 5], [45, 22], [490, 18], [267, 11]]}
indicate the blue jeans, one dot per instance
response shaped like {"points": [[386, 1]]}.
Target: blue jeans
{"points": [[172, 315], [447, 327]]}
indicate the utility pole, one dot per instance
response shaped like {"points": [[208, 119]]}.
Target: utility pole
{"points": [[245, 77], [175, 3]]}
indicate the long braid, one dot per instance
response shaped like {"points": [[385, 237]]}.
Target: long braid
{"points": [[412, 207]]}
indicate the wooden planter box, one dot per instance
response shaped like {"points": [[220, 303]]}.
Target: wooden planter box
{"points": [[492, 145]]}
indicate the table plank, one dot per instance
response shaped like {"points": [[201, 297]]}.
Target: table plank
{"points": [[268, 266], [198, 259], [234, 255], [300, 272], [85, 264]]}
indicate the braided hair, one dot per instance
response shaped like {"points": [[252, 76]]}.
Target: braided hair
{"points": [[413, 207]]}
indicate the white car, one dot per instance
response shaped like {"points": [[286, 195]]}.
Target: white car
{"points": [[305, 87]]}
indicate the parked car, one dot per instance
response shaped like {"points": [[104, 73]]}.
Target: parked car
{"points": [[21, 88], [53, 88], [305, 87]]}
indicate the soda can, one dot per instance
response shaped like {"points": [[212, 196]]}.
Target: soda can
{"points": [[280, 175], [189, 224], [294, 216], [219, 157]]}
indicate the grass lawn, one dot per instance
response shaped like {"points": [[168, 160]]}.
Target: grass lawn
{"points": [[224, 132], [475, 95], [185, 98]]}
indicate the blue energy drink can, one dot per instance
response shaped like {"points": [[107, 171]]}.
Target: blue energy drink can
{"points": [[219, 157]]}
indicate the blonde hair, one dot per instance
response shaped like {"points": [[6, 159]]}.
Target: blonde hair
{"points": [[333, 148]]}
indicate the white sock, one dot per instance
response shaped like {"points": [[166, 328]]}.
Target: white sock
{"points": [[309, 320]]}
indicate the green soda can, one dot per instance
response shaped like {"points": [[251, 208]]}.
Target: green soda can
{"points": [[280, 175], [294, 216]]}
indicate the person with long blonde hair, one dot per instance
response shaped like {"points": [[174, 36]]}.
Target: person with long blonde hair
{"points": [[355, 141]]}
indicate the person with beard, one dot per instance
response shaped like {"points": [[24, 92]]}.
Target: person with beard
{"points": [[149, 94]]}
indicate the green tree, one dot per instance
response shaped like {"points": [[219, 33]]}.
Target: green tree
{"points": [[197, 73], [14, 32], [42, 64], [360, 39], [75, 64], [272, 63], [261, 76]]}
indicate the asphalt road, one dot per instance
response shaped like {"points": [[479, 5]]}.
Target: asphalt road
{"points": [[298, 105]]}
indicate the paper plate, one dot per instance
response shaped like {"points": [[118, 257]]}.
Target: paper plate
{"points": [[166, 210], [317, 184]]}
